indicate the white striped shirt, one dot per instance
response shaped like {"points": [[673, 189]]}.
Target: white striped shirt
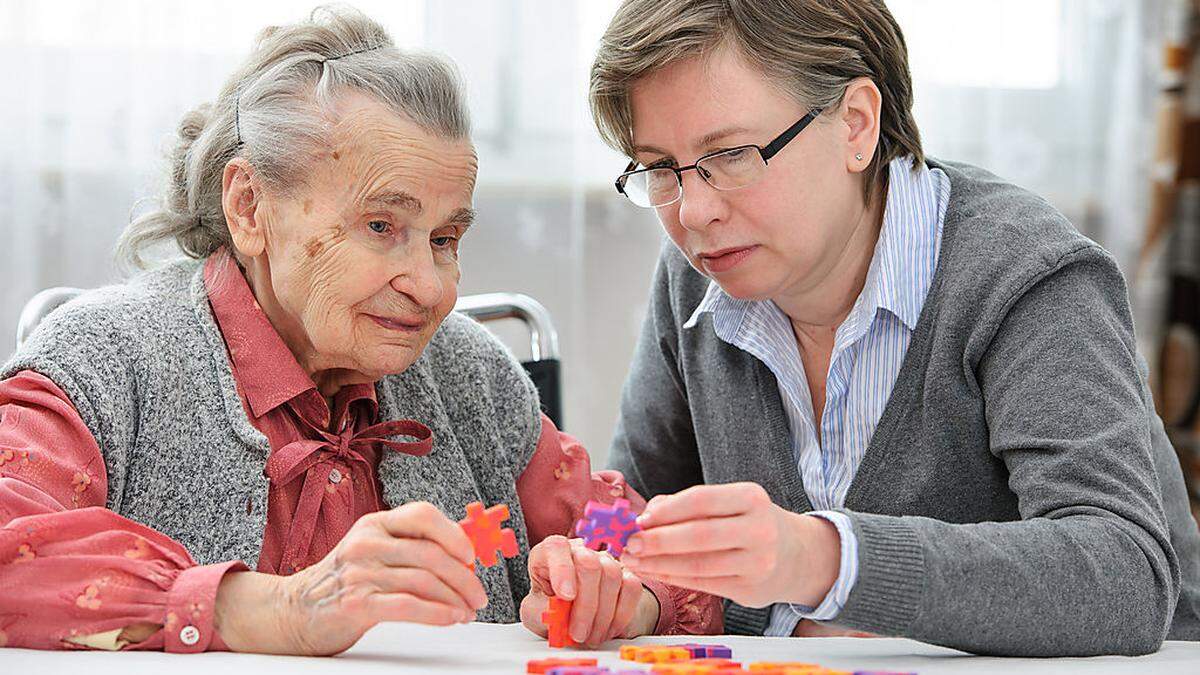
{"points": [[868, 350]]}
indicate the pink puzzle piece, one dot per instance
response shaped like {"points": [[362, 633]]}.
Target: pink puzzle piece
{"points": [[484, 531], [608, 525]]}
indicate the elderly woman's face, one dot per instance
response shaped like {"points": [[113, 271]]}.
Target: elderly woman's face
{"points": [[364, 265]]}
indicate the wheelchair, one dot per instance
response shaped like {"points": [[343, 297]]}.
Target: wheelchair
{"points": [[543, 367]]}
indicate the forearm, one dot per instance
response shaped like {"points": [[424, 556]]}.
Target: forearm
{"points": [[1039, 587]]}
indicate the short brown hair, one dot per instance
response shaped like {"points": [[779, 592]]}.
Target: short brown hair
{"points": [[812, 49]]}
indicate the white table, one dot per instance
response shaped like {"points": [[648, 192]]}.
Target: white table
{"points": [[483, 649]]}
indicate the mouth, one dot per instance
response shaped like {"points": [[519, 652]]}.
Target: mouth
{"points": [[725, 259], [397, 323]]}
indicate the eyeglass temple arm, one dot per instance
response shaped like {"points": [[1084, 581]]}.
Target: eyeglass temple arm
{"points": [[617, 183], [783, 139]]}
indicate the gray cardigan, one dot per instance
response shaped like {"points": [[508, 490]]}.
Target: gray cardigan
{"points": [[1019, 495], [145, 365]]}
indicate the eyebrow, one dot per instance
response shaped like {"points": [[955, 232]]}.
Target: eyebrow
{"points": [[463, 216], [396, 198], [706, 141]]}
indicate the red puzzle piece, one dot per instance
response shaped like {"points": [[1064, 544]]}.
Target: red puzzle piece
{"points": [[556, 620], [483, 528], [544, 665]]}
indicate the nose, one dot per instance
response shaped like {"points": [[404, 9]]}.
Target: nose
{"points": [[419, 280], [700, 204]]}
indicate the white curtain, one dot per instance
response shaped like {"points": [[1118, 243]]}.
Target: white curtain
{"points": [[1053, 94]]}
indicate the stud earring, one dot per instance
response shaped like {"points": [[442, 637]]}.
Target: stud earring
{"points": [[858, 156]]}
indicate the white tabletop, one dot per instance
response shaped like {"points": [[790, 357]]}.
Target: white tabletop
{"points": [[483, 649]]}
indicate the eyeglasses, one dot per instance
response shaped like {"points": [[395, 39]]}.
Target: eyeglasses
{"points": [[727, 169]]}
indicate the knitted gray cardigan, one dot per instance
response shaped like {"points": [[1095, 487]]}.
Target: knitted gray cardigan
{"points": [[145, 365], [1019, 495]]}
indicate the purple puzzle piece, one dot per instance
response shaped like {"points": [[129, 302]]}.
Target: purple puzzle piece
{"points": [[608, 525], [718, 652], [707, 651]]}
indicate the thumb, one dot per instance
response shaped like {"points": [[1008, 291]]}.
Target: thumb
{"points": [[531, 612]]}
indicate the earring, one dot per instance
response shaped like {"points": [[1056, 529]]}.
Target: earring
{"points": [[858, 156]]}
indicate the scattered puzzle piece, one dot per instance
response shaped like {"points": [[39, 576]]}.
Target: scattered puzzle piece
{"points": [[483, 529], [543, 665], [608, 525], [709, 651], [556, 620], [697, 667], [578, 670], [663, 654], [628, 652]]}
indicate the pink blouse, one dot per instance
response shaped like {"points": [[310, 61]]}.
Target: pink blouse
{"points": [[75, 574]]}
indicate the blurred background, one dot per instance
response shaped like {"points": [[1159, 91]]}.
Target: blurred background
{"points": [[1092, 103]]}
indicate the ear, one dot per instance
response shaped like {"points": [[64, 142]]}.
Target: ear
{"points": [[860, 110], [240, 200]]}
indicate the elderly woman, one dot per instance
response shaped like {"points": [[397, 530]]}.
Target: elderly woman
{"points": [[162, 437], [875, 389]]}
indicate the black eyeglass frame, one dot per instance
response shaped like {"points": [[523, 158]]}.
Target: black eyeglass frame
{"points": [[766, 152]]}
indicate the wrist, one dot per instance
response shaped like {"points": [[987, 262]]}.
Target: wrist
{"points": [[646, 618], [819, 560], [251, 613]]}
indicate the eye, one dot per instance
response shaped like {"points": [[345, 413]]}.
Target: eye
{"points": [[443, 242], [380, 226]]}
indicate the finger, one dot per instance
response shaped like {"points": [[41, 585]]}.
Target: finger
{"points": [[725, 587], [627, 604], [561, 566], [425, 554], [583, 610], [702, 501], [693, 536], [606, 603], [406, 607], [701, 565], [420, 583], [422, 520]]}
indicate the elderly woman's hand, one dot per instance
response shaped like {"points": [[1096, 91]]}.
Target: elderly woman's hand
{"points": [[608, 600], [410, 563]]}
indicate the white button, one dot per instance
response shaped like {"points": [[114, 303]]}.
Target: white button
{"points": [[190, 635], [335, 476]]}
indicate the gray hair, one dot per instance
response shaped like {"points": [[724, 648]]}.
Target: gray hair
{"points": [[276, 112]]}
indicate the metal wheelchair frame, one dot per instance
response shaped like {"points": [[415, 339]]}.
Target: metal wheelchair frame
{"points": [[543, 367]]}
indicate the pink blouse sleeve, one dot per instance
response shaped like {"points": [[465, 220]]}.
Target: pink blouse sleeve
{"points": [[76, 574], [555, 487]]}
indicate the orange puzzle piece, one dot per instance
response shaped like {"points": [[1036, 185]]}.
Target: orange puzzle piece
{"points": [[483, 529], [556, 620]]}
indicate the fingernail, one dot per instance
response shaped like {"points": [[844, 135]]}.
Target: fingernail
{"points": [[568, 589], [634, 546]]}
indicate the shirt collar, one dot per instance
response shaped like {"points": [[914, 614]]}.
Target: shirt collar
{"points": [[265, 369], [901, 267], [906, 254]]}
